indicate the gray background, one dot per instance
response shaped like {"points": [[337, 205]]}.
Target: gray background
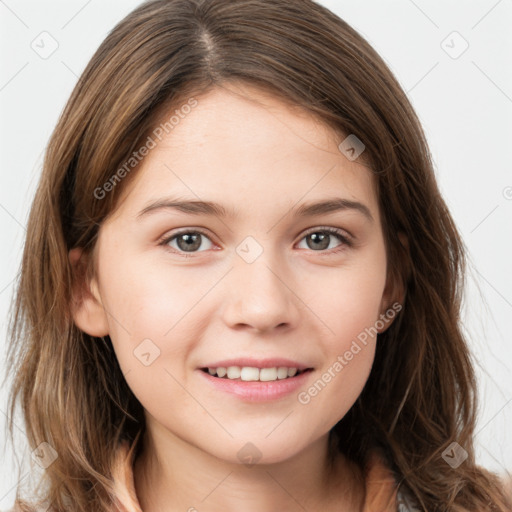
{"points": [[464, 101]]}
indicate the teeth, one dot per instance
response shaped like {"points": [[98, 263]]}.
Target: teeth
{"points": [[282, 372], [267, 374], [234, 372], [250, 373]]}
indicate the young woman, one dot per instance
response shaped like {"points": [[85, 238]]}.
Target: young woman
{"points": [[240, 286]]}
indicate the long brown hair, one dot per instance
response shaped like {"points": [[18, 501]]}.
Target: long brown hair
{"points": [[421, 393]]}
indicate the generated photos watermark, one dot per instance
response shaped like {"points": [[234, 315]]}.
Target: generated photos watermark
{"points": [[305, 397], [151, 142]]}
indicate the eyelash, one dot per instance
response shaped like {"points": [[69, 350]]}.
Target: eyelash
{"points": [[345, 240]]}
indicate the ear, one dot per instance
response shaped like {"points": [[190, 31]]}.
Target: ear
{"points": [[393, 297], [87, 309]]}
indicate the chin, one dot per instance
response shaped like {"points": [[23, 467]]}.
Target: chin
{"points": [[258, 451]]}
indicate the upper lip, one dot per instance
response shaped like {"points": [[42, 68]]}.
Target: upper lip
{"points": [[258, 363]]}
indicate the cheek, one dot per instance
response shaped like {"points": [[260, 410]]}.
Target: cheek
{"points": [[353, 315], [152, 337], [349, 301], [146, 297], [155, 314], [349, 352], [350, 309]]}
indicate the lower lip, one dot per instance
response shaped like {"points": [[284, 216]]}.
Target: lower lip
{"points": [[257, 391]]}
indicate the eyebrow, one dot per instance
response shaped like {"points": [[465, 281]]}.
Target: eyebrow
{"points": [[193, 207]]}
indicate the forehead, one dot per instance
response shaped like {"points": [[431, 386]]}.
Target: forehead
{"points": [[247, 149]]}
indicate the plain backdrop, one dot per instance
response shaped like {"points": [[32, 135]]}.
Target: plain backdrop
{"points": [[452, 58]]}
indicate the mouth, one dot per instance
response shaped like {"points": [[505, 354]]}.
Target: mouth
{"points": [[255, 374], [256, 380]]}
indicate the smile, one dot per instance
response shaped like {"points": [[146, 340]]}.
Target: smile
{"points": [[254, 384], [251, 373]]}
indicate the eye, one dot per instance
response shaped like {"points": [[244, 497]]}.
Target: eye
{"points": [[186, 241], [320, 239]]}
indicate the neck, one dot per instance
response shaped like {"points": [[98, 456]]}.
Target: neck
{"points": [[173, 475]]}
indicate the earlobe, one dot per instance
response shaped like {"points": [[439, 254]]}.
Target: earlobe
{"points": [[86, 308], [390, 307]]}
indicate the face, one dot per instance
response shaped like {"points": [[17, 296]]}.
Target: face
{"points": [[261, 286]]}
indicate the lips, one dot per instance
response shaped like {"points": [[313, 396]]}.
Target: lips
{"points": [[256, 379], [256, 390], [250, 362]]}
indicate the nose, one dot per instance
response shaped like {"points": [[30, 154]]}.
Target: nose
{"points": [[261, 296]]}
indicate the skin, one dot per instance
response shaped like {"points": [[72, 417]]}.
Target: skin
{"points": [[251, 152]]}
